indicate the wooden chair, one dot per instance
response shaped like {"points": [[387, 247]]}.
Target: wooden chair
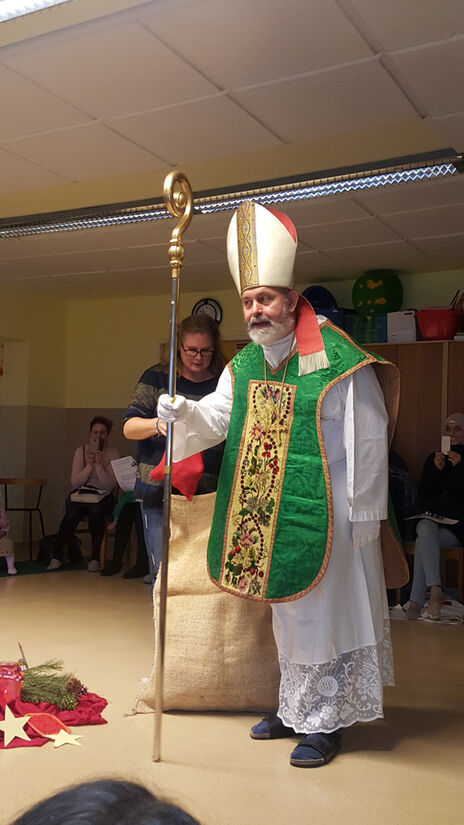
{"points": [[28, 483], [454, 554]]}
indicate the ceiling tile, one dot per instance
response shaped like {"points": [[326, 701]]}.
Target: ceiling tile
{"points": [[452, 129], [217, 243], [50, 265], [449, 248], [26, 108], [108, 283], [213, 225], [85, 152], [329, 102], [99, 238], [139, 234], [418, 195], [443, 220], [312, 264], [435, 74], [197, 252], [205, 277], [322, 210], [393, 255], [157, 255], [204, 129], [155, 76], [397, 24], [72, 241], [108, 70], [43, 288], [9, 248], [346, 233], [238, 43], [17, 174]]}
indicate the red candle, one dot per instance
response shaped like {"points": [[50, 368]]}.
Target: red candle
{"points": [[11, 677]]}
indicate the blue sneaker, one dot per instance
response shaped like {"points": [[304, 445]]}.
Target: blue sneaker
{"points": [[271, 727]]}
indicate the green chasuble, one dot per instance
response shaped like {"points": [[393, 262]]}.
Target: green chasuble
{"points": [[272, 529]]}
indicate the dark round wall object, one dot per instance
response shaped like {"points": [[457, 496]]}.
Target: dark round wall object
{"points": [[319, 297]]}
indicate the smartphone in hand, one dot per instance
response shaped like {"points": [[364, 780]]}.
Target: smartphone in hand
{"points": [[445, 444], [95, 444]]}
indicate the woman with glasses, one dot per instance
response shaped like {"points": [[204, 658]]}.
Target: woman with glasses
{"points": [[199, 364]]}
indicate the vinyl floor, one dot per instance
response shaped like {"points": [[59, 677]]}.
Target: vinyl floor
{"points": [[403, 770]]}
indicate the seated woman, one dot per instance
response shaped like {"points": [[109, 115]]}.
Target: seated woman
{"points": [[6, 545], [442, 493], [90, 467]]}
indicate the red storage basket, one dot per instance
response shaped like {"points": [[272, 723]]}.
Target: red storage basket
{"points": [[439, 324]]}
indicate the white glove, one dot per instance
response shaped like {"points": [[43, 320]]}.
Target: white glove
{"points": [[364, 532], [169, 410]]}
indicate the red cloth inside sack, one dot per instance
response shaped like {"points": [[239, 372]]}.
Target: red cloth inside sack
{"points": [[185, 474]]}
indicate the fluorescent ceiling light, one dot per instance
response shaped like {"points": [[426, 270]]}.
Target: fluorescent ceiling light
{"points": [[15, 8], [320, 189], [326, 184]]}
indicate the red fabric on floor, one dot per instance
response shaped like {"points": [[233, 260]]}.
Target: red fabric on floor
{"points": [[88, 712]]}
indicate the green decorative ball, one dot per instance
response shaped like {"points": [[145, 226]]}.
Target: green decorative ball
{"points": [[377, 290]]}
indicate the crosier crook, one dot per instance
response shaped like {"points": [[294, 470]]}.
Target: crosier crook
{"points": [[178, 199]]}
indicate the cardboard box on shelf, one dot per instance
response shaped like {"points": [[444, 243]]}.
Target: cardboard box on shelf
{"points": [[401, 326]]}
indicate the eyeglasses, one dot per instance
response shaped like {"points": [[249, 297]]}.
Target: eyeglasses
{"points": [[192, 352]]}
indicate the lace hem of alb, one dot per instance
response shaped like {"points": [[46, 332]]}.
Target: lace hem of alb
{"points": [[336, 694]]}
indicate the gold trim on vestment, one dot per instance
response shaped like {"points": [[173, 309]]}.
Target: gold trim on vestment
{"points": [[390, 388], [369, 359], [247, 249], [257, 489]]}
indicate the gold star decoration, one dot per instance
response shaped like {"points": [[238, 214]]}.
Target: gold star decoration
{"points": [[13, 727], [64, 738]]}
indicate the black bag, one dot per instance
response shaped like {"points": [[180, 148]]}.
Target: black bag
{"points": [[47, 546]]}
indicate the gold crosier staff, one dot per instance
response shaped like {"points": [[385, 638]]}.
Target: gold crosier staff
{"points": [[178, 199]]}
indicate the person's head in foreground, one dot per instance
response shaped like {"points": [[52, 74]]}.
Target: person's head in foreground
{"points": [[105, 802]]}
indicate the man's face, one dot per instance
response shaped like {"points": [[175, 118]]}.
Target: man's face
{"points": [[268, 313]]}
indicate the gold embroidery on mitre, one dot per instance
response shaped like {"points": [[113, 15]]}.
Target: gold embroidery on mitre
{"points": [[257, 488], [246, 240]]}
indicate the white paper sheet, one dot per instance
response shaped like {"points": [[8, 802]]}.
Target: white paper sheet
{"points": [[125, 469]]}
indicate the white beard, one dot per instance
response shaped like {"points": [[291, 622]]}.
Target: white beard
{"points": [[268, 335]]}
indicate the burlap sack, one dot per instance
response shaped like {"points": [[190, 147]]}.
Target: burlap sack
{"points": [[220, 653]]}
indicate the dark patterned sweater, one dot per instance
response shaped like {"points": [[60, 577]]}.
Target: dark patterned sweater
{"points": [[144, 404]]}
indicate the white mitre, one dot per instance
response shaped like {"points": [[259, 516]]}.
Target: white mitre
{"points": [[261, 247]]}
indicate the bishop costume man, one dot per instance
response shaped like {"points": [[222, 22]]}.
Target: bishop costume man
{"points": [[302, 491]]}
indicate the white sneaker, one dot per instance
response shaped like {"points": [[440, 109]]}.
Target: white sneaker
{"points": [[55, 564], [93, 566], [148, 579]]}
